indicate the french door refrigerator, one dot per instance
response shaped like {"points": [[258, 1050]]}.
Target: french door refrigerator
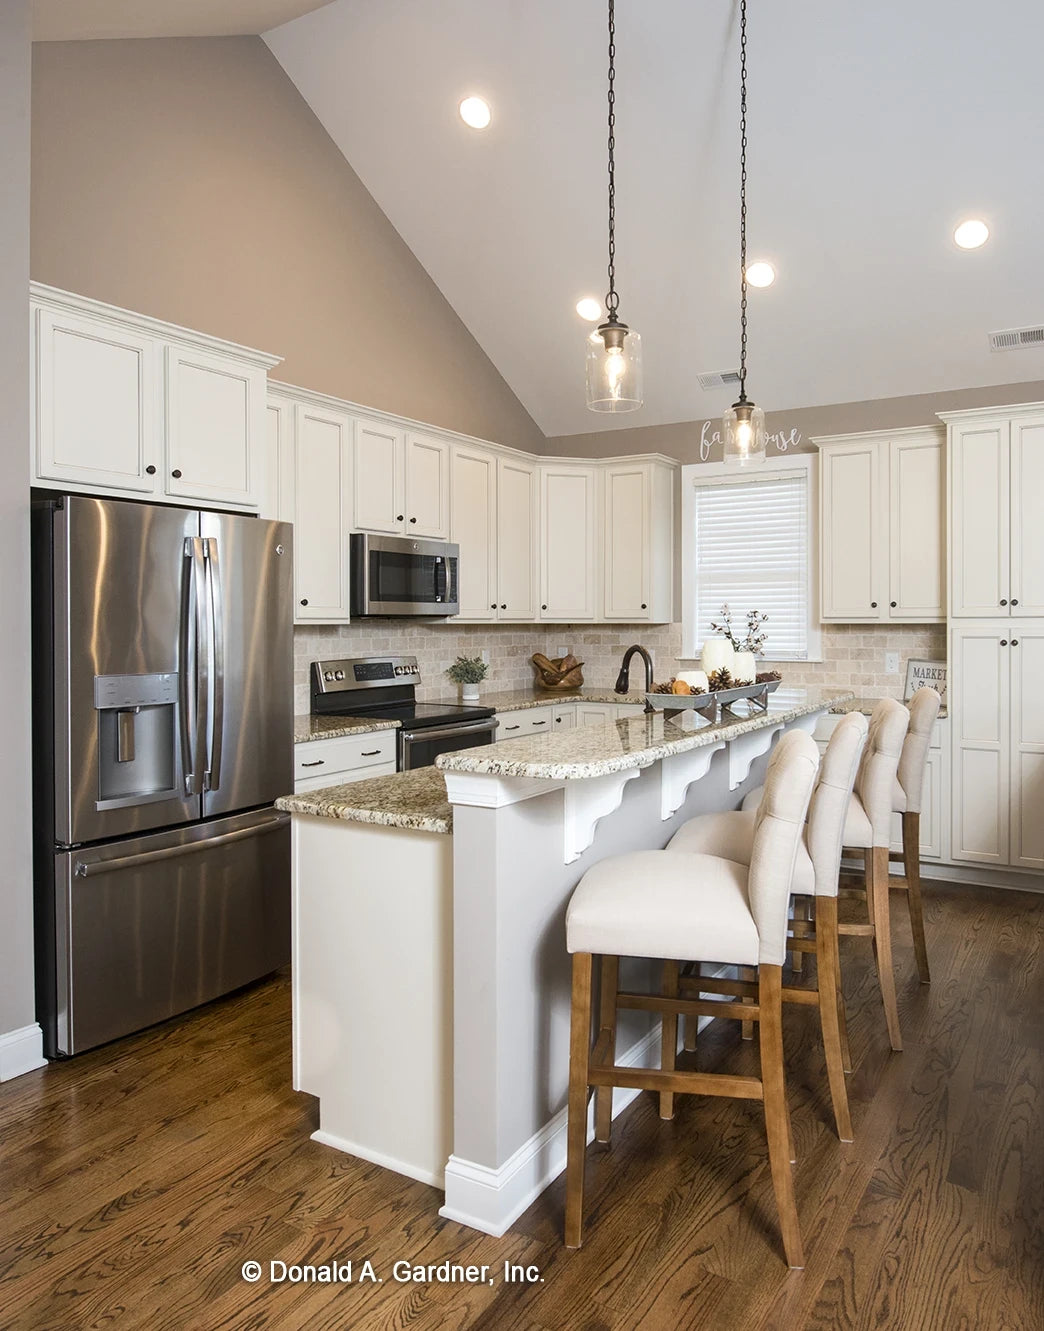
{"points": [[163, 731]]}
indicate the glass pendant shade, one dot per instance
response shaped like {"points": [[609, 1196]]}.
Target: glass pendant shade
{"points": [[743, 430], [614, 368]]}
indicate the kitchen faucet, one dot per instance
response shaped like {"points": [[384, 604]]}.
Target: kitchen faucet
{"points": [[623, 679]]}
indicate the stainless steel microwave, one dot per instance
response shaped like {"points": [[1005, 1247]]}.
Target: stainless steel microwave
{"points": [[403, 575]]}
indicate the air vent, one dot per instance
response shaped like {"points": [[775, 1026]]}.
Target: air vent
{"points": [[721, 379], [1011, 339]]}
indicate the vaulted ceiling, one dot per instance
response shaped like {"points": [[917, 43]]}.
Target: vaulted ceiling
{"points": [[86, 20]]}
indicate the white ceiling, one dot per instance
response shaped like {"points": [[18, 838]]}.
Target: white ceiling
{"points": [[874, 128], [80, 20]]}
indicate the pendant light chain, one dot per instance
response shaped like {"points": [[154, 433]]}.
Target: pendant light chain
{"points": [[612, 300], [743, 200]]}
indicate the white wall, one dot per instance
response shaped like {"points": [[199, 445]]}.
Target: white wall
{"points": [[19, 1046]]}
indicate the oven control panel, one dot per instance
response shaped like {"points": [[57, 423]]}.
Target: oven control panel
{"points": [[364, 672]]}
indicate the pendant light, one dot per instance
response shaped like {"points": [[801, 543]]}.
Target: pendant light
{"points": [[614, 351], [743, 425]]}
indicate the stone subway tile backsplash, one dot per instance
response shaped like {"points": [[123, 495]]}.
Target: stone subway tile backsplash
{"points": [[853, 654]]}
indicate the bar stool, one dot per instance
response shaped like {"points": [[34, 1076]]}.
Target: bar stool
{"points": [[815, 873], [868, 829], [690, 908], [908, 796]]}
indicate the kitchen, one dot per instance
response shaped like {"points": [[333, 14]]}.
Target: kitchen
{"points": [[177, 225]]}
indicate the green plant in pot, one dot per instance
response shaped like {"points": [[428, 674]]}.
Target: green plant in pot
{"points": [[468, 672]]}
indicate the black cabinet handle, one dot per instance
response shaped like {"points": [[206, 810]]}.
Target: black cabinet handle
{"points": [[543, 607], [1014, 600], [370, 753], [511, 727], [1014, 642], [413, 519], [399, 517], [503, 607], [1004, 603], [319, 762], [304, 600], [873, 605], [558, 720], [493, 606], [150, 470], [1004, 642], [893, 604], [539, 723], [644, 606], [176, 473]]}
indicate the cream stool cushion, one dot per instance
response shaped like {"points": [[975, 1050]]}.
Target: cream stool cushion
{"points": [[732, 836], [908, 789]]}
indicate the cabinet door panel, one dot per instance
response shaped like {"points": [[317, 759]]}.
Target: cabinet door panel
{"points": [[277, 486], [628, 593], [567, 546], [979, 540], [215, 419], [427, 487], [380, 499], [1027, 745], [322, 479], [853, 569], [917, 526], [981, 746], [1027, 543], [95, 404], [474, 529], [516, 540]]}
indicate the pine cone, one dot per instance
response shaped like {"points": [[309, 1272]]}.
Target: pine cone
{"points": [[767, 677], [720, 679]]}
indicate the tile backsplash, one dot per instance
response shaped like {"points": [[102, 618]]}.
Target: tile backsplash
{"points": [[853, 654]]}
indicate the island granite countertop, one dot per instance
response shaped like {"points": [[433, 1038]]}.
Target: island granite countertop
{"points": [[517, 700], [415, 800]]}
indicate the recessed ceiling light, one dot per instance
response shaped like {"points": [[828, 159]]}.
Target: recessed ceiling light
{"points": [[474, 111], [760, 274], [971, 234], [589, 308]]}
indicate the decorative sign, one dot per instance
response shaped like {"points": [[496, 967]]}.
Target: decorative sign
{"points": [[780, 440], [925, 674]]}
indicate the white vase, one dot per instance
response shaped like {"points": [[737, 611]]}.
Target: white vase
{"points": [[469, 693], [717, 654], [744, 668]]}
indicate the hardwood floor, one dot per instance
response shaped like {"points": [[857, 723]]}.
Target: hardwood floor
{"points": [[135, 1181]]}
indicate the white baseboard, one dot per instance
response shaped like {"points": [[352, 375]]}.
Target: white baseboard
{"points": [[984, 875], [21, 1051], [378, 1158]]}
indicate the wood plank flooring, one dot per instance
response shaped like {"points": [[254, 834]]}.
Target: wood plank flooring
{"points": [[136, 1180]]}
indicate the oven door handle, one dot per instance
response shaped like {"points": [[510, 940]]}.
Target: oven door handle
{"points": [[441, 732]]}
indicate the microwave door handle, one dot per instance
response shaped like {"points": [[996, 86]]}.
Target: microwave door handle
{"points": [[216, 617], [440, 578]]}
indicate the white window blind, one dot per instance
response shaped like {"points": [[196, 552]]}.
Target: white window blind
{"points": [[751, 545]]}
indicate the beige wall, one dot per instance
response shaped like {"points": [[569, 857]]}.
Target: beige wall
{"points": [[187, 179], [17, 1005], [683, 439]]}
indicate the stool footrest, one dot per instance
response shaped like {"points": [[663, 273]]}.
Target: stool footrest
{"points": [[792, 994], [690, 1007], [703, 984], [856, 930], [681, 1083]]}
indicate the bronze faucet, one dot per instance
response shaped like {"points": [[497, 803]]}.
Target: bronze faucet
{"points": [[623, 679]]}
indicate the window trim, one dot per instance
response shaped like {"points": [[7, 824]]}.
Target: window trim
{"points": [[699, 474]]}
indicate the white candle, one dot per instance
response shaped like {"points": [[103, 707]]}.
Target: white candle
{"points": [[717, 654], [696, 679], [745, 668]]}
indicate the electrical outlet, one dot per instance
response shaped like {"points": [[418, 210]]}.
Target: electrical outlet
{"points": [[562, 651], [485, 655], [891, 663]]}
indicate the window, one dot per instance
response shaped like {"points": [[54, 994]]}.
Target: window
{"points": [[747, 543]]}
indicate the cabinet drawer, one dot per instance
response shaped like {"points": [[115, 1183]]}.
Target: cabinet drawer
{"points": [[527, 721], [333, 757]]}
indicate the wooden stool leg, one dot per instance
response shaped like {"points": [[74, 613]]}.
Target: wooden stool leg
{"points": [[607, 1022], [879, 896], [912, 866], [668, 1036], [777, 1114], [842, 1016], [747, 973], [690, 1031], [576, 1135], [827, 983], [802, 910]]}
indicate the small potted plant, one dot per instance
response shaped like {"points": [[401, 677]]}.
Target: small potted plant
{"points": [[468, 672]]}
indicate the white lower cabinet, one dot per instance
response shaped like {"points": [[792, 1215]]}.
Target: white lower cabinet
{"points": [[561, 716], [335, 762], [525, 721], [565, 716]]}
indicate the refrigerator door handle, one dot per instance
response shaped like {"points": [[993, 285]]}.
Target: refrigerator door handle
{"points": [[212, 775], [194, 673], [85, 868]]}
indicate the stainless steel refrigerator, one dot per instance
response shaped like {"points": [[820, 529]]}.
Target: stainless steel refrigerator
{"points": [[163, 731]]}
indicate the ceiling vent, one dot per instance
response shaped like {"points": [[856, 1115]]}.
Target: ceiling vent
{"points": [[1011, 339], [721, 379]]}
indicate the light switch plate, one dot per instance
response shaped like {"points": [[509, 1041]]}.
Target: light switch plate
{"points": [[891, 663], [485, 655], [562, 651]]}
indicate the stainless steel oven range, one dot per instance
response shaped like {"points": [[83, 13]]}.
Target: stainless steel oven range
{"points": [[384, 687]]}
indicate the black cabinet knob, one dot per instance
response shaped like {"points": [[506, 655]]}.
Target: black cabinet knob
{"points": [[176, 473], [399, 517], [493, 606], [893, 604], [304, 600], [503, 607], [873, 605], [1014, 642], [1014, 600], [1004, 642], [413, 519], [644, 606], [1004, 603], [543, 607], [150, 470]]}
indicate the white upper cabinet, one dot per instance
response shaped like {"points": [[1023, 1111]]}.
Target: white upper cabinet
{"points": [[568, 536], [322, 522], [996, 484], [126, 404], [427, 487], [638, 536], [380, 478], [517, 527], [882, 509], [278, 484], [473, 480], [215, 427]]}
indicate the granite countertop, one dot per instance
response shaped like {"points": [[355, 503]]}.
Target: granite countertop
{"points": [[516, 700], [308, 727], [847, 703], [415, 800], [636, 741]]}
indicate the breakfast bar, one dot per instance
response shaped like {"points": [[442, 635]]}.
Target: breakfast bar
{"points": [[431, 980]]}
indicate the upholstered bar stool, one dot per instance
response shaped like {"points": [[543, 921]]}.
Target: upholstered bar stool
{"points": [[690, 908], [908, 796], [868, 829], [816, 870]]}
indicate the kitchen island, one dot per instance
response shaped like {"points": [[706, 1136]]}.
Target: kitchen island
{"points": [[431, 980]]}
